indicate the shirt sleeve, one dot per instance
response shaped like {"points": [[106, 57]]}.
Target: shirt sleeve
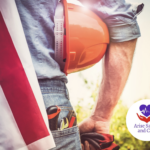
{"points": [[120, 17]]}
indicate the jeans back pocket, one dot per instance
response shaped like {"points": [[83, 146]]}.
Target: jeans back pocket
{"points": [[67, 139]]}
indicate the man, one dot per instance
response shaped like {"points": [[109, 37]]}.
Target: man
{"points": [[38, 23]]}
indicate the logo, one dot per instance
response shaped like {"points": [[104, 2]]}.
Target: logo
{"points": [[138, 120], [145, 110]]}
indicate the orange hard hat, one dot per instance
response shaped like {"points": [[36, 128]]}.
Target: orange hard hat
{"points": [[84, 41]]}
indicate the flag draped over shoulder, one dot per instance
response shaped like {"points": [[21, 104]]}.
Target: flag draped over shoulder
{"points": [[23, 119]]}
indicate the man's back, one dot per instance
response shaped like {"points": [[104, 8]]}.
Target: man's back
{"points": [[37, 19]]}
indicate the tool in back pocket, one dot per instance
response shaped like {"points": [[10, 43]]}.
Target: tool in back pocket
{"points": [[69, 121], [53, 114], [72, 118], [64, 123]]}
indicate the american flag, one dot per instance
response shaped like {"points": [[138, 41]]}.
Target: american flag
{"points": [[23, 119]]}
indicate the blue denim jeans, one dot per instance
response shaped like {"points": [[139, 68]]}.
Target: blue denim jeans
{"points": [[55, 93]]}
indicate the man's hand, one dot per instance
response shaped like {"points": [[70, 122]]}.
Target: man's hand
{"points": [[91, 125]]}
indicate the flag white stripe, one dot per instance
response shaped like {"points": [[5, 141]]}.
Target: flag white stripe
{"points": [[42, 144], [9, 129]]}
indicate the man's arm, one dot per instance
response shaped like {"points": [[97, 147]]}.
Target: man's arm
{"points": [[120, 18], [116, 67]]}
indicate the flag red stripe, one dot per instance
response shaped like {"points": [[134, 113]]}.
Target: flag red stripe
{"points": [[17, 90]]}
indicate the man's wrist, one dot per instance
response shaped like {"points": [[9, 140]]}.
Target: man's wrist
{"points": [[99, 118], [98, 115]]}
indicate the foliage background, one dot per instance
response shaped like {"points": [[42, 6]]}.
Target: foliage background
{"points": [[118, 126]]}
